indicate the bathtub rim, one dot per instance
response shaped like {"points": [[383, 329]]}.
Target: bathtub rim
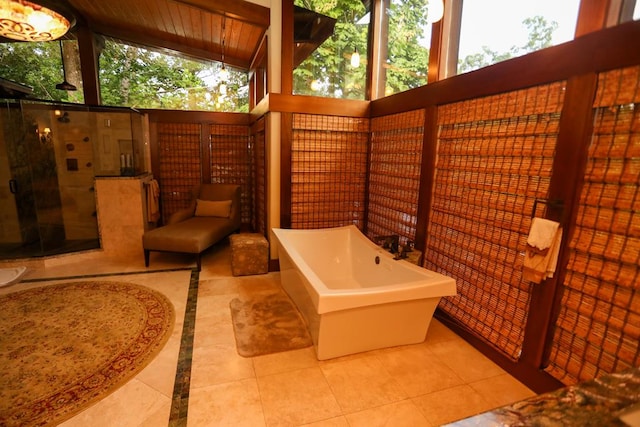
{"points": [[330, 300]]}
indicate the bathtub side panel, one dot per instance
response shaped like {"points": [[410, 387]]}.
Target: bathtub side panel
{"points": [[296, 286], [374, 327]]}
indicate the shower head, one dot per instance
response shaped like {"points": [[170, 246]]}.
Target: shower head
{"points": [[65, 117], [65, 85]]}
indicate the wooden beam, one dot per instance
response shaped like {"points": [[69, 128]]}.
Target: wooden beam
{"points": [[286, 60], [244, 11], [160, 44], [89, 65], [316, 105]]}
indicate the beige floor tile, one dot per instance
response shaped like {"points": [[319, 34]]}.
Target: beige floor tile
{"points": [[285, 361], [362, 383], [216, 306], [502, 390], [331, 422], [418, 371], [130, 405], [218, 364], [438, 333], [161, 371], [451, 404], [404, 413], [297, 397], [229, 404], [215, 329], [217, 286], [467, 362]]}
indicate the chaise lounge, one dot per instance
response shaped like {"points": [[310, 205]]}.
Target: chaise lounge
{"points": [[213, 214]]}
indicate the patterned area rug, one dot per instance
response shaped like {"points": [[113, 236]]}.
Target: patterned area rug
{"points": [[63, 347], [266, 322]]}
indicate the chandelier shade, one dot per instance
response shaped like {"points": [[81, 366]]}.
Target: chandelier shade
{"points": [[34, 22]]}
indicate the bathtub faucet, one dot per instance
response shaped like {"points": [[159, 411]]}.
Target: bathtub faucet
{"points": [[391, 242], [403, 250]]}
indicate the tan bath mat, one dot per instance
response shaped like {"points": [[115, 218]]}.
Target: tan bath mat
{"points": [[267, 322]]}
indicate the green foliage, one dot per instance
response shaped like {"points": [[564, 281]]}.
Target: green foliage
{"points": [[136, 77], [540, 36], [330, 63], [37, 65]]}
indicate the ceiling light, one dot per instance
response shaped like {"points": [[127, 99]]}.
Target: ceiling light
{"points": [[35, 22], [224, 73]]}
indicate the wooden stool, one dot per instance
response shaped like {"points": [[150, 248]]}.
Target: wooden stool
{"points": [[249, 254]]}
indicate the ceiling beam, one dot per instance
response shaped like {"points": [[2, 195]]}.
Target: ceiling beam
{"points": [[244, 11], [145, 39]]}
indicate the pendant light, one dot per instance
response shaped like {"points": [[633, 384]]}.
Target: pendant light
{"points": [[435, 11], [65, 85], [34, 21], [355, 58]]}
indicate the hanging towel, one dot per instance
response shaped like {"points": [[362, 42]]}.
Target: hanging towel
{"points": [[153, 201], [543, 247]]}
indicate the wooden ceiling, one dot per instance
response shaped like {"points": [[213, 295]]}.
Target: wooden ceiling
{"points": [[229, 30]]}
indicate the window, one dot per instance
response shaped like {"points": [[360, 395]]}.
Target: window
{"points": [[406, 60], [496, 30], [136, 77], [39, 66], [328, 70]]}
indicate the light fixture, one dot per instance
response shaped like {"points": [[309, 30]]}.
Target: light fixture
{"points": [[355, 58], [224, 73], [223, 88], [33, 22], [315, 85], [435, 11], [65, 85], [45, 135]]}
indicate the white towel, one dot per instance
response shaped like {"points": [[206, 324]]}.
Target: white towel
{"points": [[153, 197], [543, 247], [542, 233]]}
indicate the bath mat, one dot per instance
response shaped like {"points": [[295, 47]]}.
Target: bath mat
{"points": [[63, 347], [267, 322]]}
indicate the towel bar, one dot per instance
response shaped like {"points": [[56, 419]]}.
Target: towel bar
{"points": [[557, 204]]}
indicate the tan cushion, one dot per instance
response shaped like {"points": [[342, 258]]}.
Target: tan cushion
{"points": [[220, 209]]}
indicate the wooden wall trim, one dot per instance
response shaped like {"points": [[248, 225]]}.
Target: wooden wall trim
{"points": [[427, 176], [286, 141], [177, 116], [572, 147], [315, 105], [603, 50]]}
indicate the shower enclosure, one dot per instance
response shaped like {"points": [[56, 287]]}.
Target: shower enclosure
{"points": [[50, 154]]}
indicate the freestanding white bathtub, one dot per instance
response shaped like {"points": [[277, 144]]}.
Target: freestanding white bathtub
{"points": [[354, 296]]}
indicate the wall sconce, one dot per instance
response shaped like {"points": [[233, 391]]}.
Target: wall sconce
{"points": [[45, 135], [355, 58], [33, 22]]}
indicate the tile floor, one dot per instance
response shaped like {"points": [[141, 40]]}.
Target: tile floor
{"points": [[429, 384]]}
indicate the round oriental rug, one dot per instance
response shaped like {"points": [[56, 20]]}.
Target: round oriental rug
{"points": [[64, 347]]}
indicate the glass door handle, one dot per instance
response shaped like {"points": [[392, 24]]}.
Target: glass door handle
{"points": [[13, 186]]}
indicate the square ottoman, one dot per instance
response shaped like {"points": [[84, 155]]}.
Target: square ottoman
{"points": [[249, 254]]}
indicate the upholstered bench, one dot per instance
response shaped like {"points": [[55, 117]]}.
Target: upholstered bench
{"points": [[249, 254]]}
